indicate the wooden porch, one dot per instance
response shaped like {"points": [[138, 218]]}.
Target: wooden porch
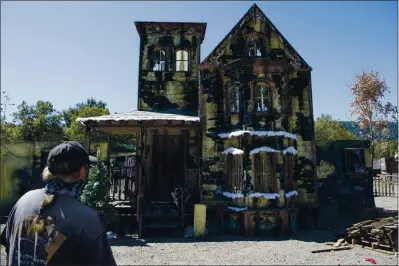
{"points": [[166, 171]]}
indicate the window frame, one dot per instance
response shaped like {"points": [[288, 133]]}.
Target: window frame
{"points": [[257, 44], [178, 60], [269, 178], [268, 87], [347, 170], [233, 92], [234, 179], [157, 54], [289, 177]]}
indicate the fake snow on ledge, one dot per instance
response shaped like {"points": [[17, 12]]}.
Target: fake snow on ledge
{"points": [[262, 149], [291, 194], [233, 151], [237, 209], [265, 195], [111, 235], [258, 133], [291, 150], [233, 195]]}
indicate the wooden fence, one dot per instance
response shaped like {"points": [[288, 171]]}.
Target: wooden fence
{"points": [[385, 185]]}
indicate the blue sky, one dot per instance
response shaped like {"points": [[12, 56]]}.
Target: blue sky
{"points": [[65, 52]]}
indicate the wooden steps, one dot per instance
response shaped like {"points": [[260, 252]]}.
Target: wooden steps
{"points": [[160, 218]]}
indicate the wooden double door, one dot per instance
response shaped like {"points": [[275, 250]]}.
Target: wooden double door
{"points": [[168, 166]]}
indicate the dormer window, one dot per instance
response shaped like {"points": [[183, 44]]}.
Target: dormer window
{"points": [[254, 48], [261, 98], [159, 60], [182, 60], [235, 99]]}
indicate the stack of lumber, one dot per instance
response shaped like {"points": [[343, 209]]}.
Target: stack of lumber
{"points": [[381, 233]]}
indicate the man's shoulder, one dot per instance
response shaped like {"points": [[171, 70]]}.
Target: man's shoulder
{"points": [[33, 194], [82, 216], [78, 208]]}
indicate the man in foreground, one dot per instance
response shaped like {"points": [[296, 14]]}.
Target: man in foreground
{"points": [[51, 226]]}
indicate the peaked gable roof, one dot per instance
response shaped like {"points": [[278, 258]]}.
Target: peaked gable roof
{"points": [[255, 11]]}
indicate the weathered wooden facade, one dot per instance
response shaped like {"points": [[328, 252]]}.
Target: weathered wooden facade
{"points": [[234, 132], [345, 180]]}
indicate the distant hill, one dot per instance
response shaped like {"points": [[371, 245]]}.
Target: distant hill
{"points": [[355, 129]]}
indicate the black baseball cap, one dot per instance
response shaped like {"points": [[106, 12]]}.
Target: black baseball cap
{"points": [[68, 157]]}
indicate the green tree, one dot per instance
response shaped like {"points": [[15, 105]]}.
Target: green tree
{"points": [[76, 131], [39, 122], [326, 128], [72, 112], [95, 194], [8, 131], [387, 148]]}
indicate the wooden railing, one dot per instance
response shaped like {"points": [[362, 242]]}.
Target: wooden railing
{"points": [[385, 185]]}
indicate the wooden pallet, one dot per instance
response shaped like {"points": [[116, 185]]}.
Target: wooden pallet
{"points": [[379, 247]]}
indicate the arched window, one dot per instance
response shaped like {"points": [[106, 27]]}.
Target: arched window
{"points": [[159, 62], [261, 98], [181, 60]]}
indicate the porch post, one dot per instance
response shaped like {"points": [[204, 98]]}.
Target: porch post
{"points": [[140, 177], [88, 130], [109, 155]]}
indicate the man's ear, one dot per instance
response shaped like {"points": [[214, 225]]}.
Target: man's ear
{"points": [[82, 172]]}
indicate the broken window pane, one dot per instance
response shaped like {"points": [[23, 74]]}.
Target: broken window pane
{"points": [[181, 60], [254, 48], [261, 98], [235, 100], [159, 61], [355, 161]]}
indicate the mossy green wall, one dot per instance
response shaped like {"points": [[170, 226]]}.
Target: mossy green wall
{"points": [[26, 156], [169, 91], [291, 109]]}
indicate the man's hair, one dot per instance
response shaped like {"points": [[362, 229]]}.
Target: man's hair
{"points": [[47, 175]]}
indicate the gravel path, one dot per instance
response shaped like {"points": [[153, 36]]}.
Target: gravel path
{"points": [[223, 250], [389, 203]]}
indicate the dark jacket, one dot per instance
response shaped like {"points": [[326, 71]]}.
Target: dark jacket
{"points": [[73, 235]]}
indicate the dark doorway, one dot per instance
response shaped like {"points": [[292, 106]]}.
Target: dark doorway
{"points": [[168, 166]]}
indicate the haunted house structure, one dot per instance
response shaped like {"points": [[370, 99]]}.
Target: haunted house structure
{"points": [[234, 132]]}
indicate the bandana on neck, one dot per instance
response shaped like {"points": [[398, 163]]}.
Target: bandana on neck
{"points": [[58, 187]]}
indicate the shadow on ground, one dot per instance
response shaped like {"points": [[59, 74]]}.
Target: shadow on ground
{"points": [[318, 236]]}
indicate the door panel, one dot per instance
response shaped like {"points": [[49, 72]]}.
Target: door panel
{"points": [[168, 163]]}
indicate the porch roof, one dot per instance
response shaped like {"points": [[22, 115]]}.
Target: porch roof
{"points": [[130, 122]]}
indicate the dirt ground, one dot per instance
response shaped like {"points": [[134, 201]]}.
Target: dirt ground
{"points": [[223, 250], [243, 251]]}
